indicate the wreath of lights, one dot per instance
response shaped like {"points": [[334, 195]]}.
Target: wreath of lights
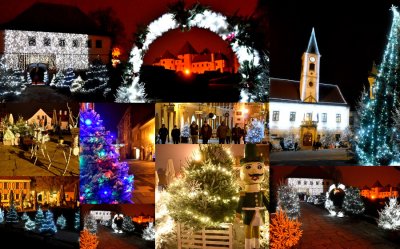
{"points": [[201, 17]]}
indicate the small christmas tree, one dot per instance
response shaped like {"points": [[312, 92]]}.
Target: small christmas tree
{"points": [[288, 201], [389, 217], [30, 225], [90, 224], [127, 224], [77, 221], [39, 218], [352, 203], [88, 240], [255, 132], [284, 232], [103, 179], [24, 216], [97, 77], [12, 215], [166, 227], [69, 77], [207, 194], [45, 77], [77, 85], [57, 79], [149, 233], [48, 226], [1, 216], [61, 222], [185, 130]]}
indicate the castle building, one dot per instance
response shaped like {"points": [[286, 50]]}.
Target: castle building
{"points": [[306, 110], [309, 180], [378, 191], [190, 61]]}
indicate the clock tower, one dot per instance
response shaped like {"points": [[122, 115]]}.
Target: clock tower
{"points": [[309, 79]]}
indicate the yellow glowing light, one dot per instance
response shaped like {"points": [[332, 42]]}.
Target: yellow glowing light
{"points": [[151, 138], [116, 52], [187, 71]]}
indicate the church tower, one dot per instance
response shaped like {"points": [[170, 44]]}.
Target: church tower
{"points": [[309, 79]]}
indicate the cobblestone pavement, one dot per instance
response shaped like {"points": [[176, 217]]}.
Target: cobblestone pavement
{"points": [[17, 161], [42, 94], [110, 240], [321, 231], [144, 172]]}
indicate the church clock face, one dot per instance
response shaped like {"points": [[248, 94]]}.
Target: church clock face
{"points": [[312, 59]]}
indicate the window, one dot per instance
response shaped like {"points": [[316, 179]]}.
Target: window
{"points": [[5, 197], [292, 116], [338, 118], [99, 43], [312, 67], [324, 117], [61, 42], [89, 43], [25, 185], [316, 183], [275, 116], [298, 182], [311, 183], [17, 185], [46, 41], [75, 43], [32, 41], [305, 183], [308, 116], [1, 185], [17, 196]]}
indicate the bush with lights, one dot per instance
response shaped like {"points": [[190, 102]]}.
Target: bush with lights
{"points": [[90, 224], [207, 193], [389, 217], [12, 82], [88, 240], [149, 232], [284, 232], [103, 178], [288, 201], [374, 144]]}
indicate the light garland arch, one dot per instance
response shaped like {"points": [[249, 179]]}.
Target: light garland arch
{"points": [[250, 59]]}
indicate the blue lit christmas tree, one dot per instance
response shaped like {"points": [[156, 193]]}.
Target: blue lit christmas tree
{"points": [[69, 77], [61, 222], [376, 114], [39, 218], [255, 132], [1, 216], [77, 222], [48, 226], [12, 216], [103, 179], [30, 225]]}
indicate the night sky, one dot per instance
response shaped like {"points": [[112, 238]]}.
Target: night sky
{"points": [[357, 176], [350, 37]]}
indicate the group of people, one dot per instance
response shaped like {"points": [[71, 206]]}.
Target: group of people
{"points": [[224, 133]]}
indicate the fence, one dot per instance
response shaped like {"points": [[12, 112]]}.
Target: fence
{"points": [[205, 238]]}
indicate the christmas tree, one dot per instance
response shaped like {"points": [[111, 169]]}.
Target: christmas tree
{"points": [[45, 77], [90, 224], [288, 201], [149, 233], [30, 225], [127, 224], [255, 132], [39, 218], [376, 129], [11, 81], [352, 203], [207, 194], [185, 132], [57, 79], [389, 217], [103, 179], [24, 216], [48, 226], [88, 240], [1, 216], [69, 77], [284, 232], [166, 227], [77, 221], [61, 222], [12, 215], [97, 77]]}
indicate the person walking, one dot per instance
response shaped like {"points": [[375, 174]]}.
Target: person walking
{"points": [[163, 133], [236, 134], [206, 132], [222, 130], [175, 134], [228, 134], [194, 132], [244, 133]]}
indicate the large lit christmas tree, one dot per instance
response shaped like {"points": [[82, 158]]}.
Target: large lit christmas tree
{"points": [[374, 146], [48, 226], [389, 217], [288, 201], [207, 194], [103, 179], [352, 202]]}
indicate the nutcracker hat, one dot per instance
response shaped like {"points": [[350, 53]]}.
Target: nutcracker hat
{"points": [[250, 154]]}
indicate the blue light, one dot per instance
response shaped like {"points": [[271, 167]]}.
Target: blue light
{"points": [[88, 122]]}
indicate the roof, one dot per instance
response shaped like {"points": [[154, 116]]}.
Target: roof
{"points": [[13, 178], [50, 17], [365, 188], [311, 172], [289, 90], [187, 49], [312, 44], [168, 55], [220, 56], [377, 184]]}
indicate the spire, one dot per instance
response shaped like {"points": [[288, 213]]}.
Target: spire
{"points": [[312, 47]]}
